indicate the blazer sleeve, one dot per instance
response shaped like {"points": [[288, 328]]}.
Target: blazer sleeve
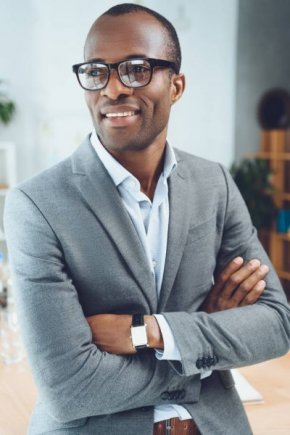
{"points": [[74, 378], [240, 336]]}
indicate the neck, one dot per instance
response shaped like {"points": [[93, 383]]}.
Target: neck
{"points": [[145, 165]]}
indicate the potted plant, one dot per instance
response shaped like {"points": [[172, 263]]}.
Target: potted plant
{"points": [[253, 178], [7, 108]]}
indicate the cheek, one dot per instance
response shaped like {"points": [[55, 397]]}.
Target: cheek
{"points": [[162, 103], [162, 109], [91, 101]]}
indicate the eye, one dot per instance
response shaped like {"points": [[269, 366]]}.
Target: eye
{"points": [[139, 69], [94, 72]]}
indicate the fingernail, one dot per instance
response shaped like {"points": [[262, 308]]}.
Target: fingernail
{"points": [[238, 260], [254, 263], [261, 284], [264, 268]]}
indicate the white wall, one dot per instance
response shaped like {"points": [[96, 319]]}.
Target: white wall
{"points": [[44, 38]]}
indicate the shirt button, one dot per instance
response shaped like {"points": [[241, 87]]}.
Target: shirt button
{"points": [[154, 263]]}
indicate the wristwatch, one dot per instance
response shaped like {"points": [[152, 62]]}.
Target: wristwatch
{"points": [[138, 332]]}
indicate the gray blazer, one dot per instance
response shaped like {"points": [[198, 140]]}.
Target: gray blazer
{"points": [[74, 252]]}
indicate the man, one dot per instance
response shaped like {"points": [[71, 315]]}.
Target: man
{"points": [[128, 231]]}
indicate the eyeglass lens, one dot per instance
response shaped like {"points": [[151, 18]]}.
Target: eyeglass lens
{"points": [[133, 73]]}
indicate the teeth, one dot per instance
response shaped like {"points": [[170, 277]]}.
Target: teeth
{"points": [[119, 114]]}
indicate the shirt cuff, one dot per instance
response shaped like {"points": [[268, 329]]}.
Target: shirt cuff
{"points": [[170, 351]]}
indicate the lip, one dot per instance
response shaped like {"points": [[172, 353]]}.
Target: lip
{"points": [[132, 113], [120, 108], [123, 121]]}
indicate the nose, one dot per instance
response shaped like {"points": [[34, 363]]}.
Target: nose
{"points": [[115, 87]]}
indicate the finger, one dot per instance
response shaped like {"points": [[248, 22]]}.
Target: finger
{"points": [[236, 279], [254, 294], [223, 277], [248, 284]]}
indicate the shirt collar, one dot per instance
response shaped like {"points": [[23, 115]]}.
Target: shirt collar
{"points": [[117, 172]]}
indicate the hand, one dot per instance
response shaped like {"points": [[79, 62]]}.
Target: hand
{"points": [[239, 284], [112, 333]]}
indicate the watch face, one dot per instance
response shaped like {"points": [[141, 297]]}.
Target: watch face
{"points": [[139, 335]]}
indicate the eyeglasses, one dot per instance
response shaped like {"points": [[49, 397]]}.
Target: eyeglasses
{"points": [[133, 73]]}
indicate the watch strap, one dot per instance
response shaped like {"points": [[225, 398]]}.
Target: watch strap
{"points": [[138, 319]]}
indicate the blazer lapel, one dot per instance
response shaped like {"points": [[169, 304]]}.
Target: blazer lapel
{"points": [[101, 194], [179, 219]]}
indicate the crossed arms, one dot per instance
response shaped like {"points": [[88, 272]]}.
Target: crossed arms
{"points": [[240, 284]]}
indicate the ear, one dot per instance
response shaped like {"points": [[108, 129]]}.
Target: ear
{"points": [[177, 87]]}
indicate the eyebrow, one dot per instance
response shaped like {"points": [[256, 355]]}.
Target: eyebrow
{"points": [[132, 56]]}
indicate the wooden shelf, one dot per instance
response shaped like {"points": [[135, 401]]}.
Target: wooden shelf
{"points": [[282, 195], [283, 236], [275, 148], [270, 156]]}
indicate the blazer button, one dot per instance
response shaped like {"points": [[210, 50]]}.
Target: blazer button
{"points": [[198, 363], [174, 395], [206, 362], [209, 361], [178, 394], [165, 395]]}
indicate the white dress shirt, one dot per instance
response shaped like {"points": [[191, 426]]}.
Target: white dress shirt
{"points": [[150, 219]]}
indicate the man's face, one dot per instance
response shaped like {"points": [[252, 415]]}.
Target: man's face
{"points": [[115, 39]]}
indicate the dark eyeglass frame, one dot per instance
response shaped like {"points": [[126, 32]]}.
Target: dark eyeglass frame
{"points": [[110, 66]]}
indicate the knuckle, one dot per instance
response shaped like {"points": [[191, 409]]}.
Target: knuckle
{"points": [[222, 278], [233, 280], [249, 301], [253, 296], [244, 288]]}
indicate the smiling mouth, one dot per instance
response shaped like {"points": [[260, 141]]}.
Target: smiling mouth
{"points": [[120, 114]]}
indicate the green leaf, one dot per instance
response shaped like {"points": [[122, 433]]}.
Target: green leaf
{"points": [[253, 178], [7, 107], [7, 110]]}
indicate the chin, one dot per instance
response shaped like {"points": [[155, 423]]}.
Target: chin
{"points": [[123, 146]]}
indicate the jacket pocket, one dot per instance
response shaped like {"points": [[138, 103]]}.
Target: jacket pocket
{"points": [[201, 230]]}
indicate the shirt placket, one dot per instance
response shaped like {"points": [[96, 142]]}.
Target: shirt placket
{"points": [[157, 231]]}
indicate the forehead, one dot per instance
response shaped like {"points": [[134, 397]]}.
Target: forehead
{"points": [[113, 38]]}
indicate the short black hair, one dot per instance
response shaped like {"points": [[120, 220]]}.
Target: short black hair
{"points": [[173, 46]]}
